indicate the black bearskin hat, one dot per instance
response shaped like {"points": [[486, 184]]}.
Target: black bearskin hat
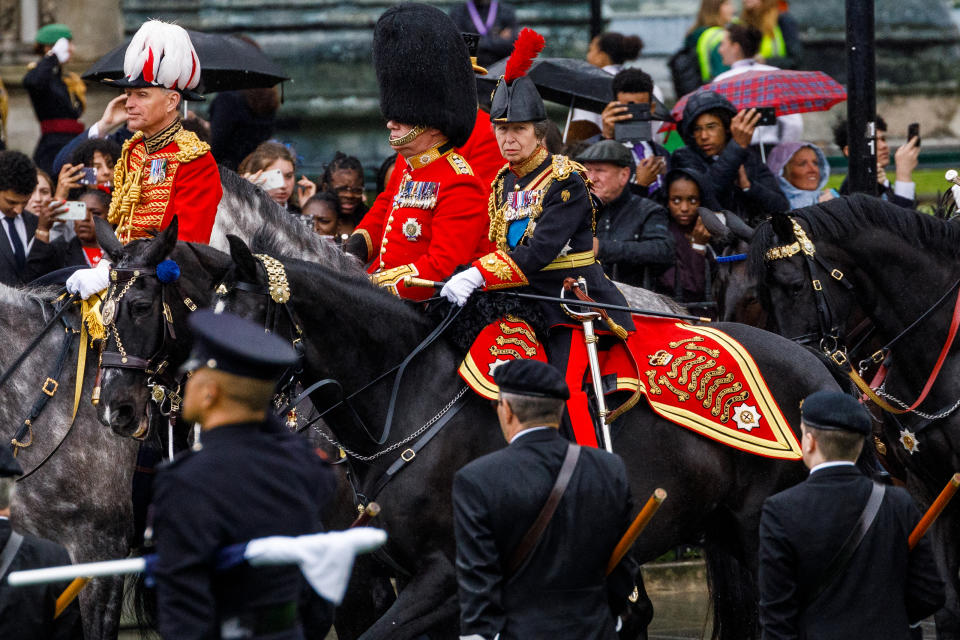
{"points": [[424, 71]]}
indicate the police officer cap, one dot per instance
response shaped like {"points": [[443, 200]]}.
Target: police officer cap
{"points": [[229, 343], [607, 151], [832, 410], [531, 378], [9, 467], [50, 33]]}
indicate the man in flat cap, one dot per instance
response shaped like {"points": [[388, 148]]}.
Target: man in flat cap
{"points": [[250, 479], [834, 559], [518, 580], [632, 241], [27, 613]]}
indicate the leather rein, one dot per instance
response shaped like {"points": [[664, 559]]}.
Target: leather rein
{"points": [[831, 342]]}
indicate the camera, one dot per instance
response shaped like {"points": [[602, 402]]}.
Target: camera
{"points": [[638, 128]]}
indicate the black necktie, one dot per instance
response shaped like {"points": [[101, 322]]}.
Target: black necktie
{"points": [[16, 243]]}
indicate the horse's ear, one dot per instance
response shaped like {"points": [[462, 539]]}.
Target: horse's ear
{"points": [[163, 244], [107, 239], [782, 226], [243, 258]]}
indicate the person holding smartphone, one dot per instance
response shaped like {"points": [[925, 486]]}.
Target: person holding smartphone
{"points": [[633, 87], [718, 145], [82, 250], [903, 191]]}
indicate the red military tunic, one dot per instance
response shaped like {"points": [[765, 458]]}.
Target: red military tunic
{"points": [[430, 219], [172, 173]]}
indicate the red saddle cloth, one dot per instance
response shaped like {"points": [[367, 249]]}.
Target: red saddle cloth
{"points": [[695, 376]]}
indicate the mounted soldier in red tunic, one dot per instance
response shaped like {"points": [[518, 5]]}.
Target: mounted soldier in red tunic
{"points": [[433, 218], [163, 170]]}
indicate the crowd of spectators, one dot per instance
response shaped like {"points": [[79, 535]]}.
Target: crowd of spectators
{"points": [[662, 216]]}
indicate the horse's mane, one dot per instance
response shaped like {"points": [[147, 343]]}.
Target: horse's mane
{"points": [[843, 219], [359, 293], [22, 296], [247, 211]]}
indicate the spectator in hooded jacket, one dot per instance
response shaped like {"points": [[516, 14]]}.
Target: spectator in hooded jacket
{"points": [[802, 171], [718, 145]]}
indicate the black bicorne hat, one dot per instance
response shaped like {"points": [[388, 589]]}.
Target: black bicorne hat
{"points": [[516, 98], [424, 71]]}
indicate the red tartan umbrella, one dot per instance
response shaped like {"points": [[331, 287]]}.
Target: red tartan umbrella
{"points": [[787, 91]]}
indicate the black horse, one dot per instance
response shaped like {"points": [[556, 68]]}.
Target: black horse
{"points": [[829, 266], [354, 332]]}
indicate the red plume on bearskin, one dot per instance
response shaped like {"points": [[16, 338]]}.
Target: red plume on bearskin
{"points": [[529, 43]]}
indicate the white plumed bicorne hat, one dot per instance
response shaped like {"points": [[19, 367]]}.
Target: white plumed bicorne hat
{"points": [[161, 55]]}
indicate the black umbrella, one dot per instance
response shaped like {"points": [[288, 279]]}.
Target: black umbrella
{"points": [[226, 63], [575, 83]]}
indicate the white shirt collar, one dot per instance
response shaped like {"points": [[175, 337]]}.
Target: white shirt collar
{"points": [[526, 431], [832, 463]]}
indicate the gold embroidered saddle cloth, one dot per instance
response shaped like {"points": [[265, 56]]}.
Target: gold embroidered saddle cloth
{"points": [[695, 376]]}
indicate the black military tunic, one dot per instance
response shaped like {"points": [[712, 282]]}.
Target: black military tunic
{"points": [[56, 106], [542, 220], [26, 613], [248, 481]]}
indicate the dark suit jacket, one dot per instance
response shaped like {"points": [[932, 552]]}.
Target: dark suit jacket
{"points": [[560, 590], [49, 256], [885, 586], [9, 274], [26, 613]]}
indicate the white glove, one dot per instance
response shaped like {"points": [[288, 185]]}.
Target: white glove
{"points": [[61, 49], [87, 282], [460, 286]]}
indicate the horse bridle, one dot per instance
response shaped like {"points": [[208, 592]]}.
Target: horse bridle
{"points": [[278, 291], [831, 341], [165, 386]]}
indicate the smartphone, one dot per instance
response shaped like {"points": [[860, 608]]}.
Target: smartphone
{"points": [[639, 110], [272, 179], [75, 211], [88, 176], [768, 116], [913, 131]]}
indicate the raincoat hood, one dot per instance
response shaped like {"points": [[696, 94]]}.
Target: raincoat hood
{"points": [[699, 103], [777, 163], [707, 197]]}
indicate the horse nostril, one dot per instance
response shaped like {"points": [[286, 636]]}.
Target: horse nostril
{"points": [[122, 415]]}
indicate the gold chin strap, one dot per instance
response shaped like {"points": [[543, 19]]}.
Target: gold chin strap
{"points": [[408, 137], [803, 243]]}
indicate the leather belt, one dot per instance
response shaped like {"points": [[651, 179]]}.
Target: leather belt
{"points": [[571, 260]]}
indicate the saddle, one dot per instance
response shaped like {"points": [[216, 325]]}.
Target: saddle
{"points": [[697, 377]]}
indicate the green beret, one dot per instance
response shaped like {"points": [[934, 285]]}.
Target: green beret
{"points": [[50, 33]]}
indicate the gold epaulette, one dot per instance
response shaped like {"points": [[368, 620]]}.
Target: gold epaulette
{"points": [[191, 147], [459, 164], [564, 166]]}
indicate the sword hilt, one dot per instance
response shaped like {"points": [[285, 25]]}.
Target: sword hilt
{"points": [[413, 281]]}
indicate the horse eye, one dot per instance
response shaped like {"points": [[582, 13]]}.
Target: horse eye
{"points": [[142, 307]]}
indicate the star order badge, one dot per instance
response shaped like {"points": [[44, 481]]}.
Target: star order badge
{"points": [[909, 441], [746, 416], [412, 229], [495, 364]]}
